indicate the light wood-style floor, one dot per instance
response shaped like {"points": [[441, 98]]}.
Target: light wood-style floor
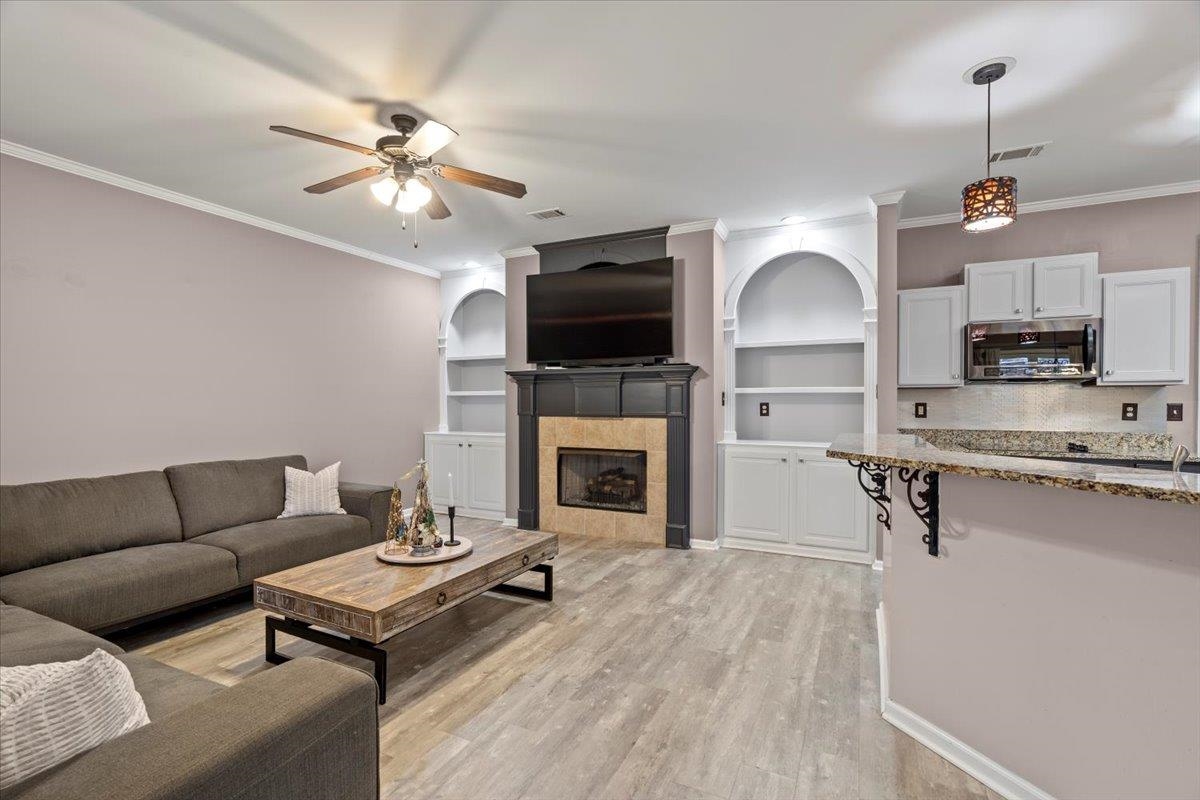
{"points": [[655, 673]]}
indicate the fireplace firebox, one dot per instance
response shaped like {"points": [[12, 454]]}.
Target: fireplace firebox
{"points": [[613, 480]]}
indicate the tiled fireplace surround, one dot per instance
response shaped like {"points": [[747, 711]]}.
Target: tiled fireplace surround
{"points": [[623, 433]]}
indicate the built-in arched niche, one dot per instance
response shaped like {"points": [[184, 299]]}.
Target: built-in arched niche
{"points": [[475, 379], [798, 345]]}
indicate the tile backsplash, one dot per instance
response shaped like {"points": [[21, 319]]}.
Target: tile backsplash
{"points": [[1037, 407]]}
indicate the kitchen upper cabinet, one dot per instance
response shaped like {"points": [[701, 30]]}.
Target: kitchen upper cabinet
{"points": [[1052, 287], [931, 337], [1146, 326], [999, 291], [1066, 286]]}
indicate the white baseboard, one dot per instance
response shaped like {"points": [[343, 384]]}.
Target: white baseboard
{"points": [[471, 513], [509, 522], [983, 769], [734, 543], [878, 565], [705, 544]]}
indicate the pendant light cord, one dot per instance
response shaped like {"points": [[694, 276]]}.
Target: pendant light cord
{"points": [[987, 156]]}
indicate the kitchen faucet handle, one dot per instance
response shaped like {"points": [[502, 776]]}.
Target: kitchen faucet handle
{"points": [[1181, 455]]}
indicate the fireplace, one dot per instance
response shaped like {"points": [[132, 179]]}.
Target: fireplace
{"points": [[613, 480]]}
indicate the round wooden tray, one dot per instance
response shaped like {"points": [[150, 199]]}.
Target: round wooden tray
{"points": [[443, 553]]}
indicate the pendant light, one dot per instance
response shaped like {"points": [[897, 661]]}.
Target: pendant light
{"points": [[992, 202]]}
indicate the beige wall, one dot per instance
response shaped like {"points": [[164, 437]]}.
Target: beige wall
{"points": [[1069, 653], [1135, 234], [515, 272], [135, 333]]}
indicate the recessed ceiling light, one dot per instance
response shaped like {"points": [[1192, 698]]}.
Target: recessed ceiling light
{"points": [[470, 265], [793, 219]]}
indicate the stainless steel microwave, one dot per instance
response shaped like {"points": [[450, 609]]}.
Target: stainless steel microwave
{"points": [[1038, 350]]}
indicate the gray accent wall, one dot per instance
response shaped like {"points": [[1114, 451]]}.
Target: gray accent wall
{"points": [[136, 333]]}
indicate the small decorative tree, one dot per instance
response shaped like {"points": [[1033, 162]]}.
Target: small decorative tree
{"points": [[423, 531], [397, 532]]}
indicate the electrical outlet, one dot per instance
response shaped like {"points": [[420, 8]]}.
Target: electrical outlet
{"points": [[1174, 412], [920, 410], [764, 409], [1129, 412]]}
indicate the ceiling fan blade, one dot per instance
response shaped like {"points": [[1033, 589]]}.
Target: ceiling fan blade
{"points": [[316, 137], [343, 180], [429, 138], [436, 207], [480, 180]]}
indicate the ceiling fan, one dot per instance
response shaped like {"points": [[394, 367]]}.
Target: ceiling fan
{"points": [[406, 162]]}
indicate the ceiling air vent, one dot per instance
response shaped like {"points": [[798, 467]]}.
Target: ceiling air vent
{"points": [[1014, 153], [547, 213]]}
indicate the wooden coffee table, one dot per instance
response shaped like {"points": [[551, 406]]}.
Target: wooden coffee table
{"points": [[364, 601]]}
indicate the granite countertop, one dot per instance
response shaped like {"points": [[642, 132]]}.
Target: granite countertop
{"points": [[906, 450], [1122, 446]]}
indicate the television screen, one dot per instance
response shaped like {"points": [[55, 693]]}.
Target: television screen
{"points": [[612, 314]]}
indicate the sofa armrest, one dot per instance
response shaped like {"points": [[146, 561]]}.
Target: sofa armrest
{"points": [[307, 728], [365, 500]]}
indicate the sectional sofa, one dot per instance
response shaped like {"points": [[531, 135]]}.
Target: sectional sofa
{"points": [[100, 554]]}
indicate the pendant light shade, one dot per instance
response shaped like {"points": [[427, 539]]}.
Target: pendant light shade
{"points": [[988, 204]]}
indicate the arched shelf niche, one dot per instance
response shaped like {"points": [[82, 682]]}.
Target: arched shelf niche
{"points": [[800, 336], [472, 348]]}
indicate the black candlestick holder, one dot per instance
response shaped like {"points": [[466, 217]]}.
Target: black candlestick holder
{"points": [[451, 542]]}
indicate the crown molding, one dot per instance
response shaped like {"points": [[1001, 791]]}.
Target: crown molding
{"points": [[884, 199], [718, 226], [1119, 196], [804, 227], [518, 252], [113, 179], [462, 273]]}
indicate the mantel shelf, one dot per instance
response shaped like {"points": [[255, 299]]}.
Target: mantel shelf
{"points": [[799, 390], [798, 343], [476, 393], [499, 357]]}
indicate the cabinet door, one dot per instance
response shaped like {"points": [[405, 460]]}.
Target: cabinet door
{"points": [[1066, 286], [829, 509], [485, 475], [445, 454], [756, 493], [931, 337], [1146, 321], [999, 291]]}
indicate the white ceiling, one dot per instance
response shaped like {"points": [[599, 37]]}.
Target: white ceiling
{"points": [[627, 115]]}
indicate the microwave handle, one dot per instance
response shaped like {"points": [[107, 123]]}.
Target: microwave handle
{"points": [[1089, 347]]}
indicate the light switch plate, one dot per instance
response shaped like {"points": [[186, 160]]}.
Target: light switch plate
{"points": [[920, 410], [764, 409], [1129, 412], [1174, 412]]}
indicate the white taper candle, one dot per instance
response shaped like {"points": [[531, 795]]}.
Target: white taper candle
{"points": [[450, 475]]}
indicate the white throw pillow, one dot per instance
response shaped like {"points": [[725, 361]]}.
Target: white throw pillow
{"points": [[52, 712], [306, 494]]}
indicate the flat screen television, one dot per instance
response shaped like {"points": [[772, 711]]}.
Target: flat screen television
{"points": [[618, 314]]}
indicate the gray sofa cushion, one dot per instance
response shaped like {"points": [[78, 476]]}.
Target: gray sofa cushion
{"points": [[43, 523], [107, 589], [165, 689], [221, 494], [30, 638], [277, 544]]}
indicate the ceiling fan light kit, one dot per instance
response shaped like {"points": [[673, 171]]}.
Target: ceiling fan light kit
{"points": [[989, 203], [406, 164]]}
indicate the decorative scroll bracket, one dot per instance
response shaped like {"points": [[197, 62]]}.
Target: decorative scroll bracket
{"points": [[876, 489], [924, 501]]}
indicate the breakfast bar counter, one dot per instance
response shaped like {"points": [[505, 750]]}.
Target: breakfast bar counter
{"points": [[1040, 623]]}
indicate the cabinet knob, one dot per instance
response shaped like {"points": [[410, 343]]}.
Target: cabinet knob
{"points": [[955, 375], [460, 444], [1016, 311], [1039, 308], [1108, 372], [468, 444], [784, 460]]}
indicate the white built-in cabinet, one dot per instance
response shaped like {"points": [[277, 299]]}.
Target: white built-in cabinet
{"points": [[1052, 287], [931, 336], [793, 500], [477, 463], [1146, 330]]}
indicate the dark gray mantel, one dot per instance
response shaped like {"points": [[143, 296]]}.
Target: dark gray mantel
{"points": [[664, 390]]}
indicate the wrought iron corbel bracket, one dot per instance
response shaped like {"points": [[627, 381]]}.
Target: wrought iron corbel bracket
{"points": [[873, 480], [924, 501]]}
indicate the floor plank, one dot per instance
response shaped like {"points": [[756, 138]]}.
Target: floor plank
{"points": [[655, 673]]}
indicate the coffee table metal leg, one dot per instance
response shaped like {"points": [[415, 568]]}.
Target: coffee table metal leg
{"points": [[355, 647], [546, 593]]}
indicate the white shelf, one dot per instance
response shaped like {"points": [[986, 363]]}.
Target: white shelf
{"points": [[478, 393], [775, 443], [481, 434], [799, 390], [797, 343], [475, 358]]}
